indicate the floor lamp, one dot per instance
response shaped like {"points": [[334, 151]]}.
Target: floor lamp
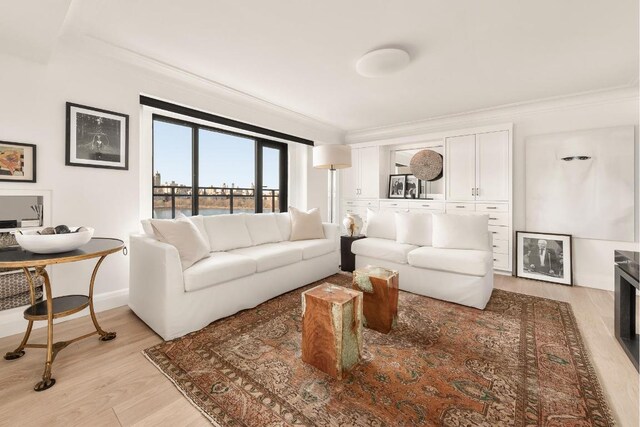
{"points": [[332, 157]]}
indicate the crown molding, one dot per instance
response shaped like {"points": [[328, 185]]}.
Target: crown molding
{"points": [[93, 46], [503, 113]]}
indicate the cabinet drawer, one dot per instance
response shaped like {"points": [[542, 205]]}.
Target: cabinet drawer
{"points": [[392, 204], [500, 246], [492, 207], [426, 205], [362, 203], [500, 261], [499, 233], [461, 207], [498, 218]]}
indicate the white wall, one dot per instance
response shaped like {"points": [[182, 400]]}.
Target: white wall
{"points": [[593, 259], [32, 110]]}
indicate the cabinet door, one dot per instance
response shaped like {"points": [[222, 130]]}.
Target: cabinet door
{"points": [[369, 172], [492, 181], [350, 177], [460, 167]]}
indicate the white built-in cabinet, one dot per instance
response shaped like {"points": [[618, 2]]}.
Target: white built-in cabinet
{"points": [[478, 167], [477, 181], [362, 180]]}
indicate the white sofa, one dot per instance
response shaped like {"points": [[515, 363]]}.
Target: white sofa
{"points": [[174, 302], [462, 276]]}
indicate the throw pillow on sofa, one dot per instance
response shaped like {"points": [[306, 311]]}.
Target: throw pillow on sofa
{"points": [[461, 231], [306, 225], [381, 225], [184, 236], [263, 228], [414, 228]]}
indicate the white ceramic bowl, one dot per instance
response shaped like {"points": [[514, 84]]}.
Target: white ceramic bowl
{"points": [[31, 241]]}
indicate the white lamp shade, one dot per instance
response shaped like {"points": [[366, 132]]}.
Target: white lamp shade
{"points": [[332, 156]]}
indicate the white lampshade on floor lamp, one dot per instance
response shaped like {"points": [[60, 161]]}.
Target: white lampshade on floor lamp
{"points": [[332, 157]]}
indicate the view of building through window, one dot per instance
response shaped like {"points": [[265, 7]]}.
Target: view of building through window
{"points": [[226, 171]]}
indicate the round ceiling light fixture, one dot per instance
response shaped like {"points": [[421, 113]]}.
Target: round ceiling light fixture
{"points": [[382, 62]]}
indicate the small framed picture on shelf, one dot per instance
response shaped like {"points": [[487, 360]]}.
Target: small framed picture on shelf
{"points": [[97, 138], [423, 189], [544, 256], [397, 186], [411, 187], [17, 162]]}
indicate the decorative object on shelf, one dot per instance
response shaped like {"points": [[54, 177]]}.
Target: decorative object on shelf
{"points": [[426, 165], [411, 187], [53, 240], [97, 138], [17, 162], [332, 157], [397, 184], [352, 224], [544, 256]]}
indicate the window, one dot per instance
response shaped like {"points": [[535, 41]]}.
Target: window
{"points": [[203, 170]]}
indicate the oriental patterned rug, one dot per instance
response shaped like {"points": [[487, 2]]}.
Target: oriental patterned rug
{"points": [[520, 362]]}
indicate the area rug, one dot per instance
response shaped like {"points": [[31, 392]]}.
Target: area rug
{"points": [[520, 362]]}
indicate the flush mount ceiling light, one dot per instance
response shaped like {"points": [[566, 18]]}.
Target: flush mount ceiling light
{"points": [[382, 62]]}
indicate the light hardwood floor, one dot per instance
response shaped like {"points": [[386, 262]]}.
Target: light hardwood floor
{"points": [[112, 384]]}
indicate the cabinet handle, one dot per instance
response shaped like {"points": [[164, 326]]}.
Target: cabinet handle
{"points": [[495, 246], [477, 191], [495, 260], [461, 207], [493, 219], [425, 206], [473, 192], [494, 232], [491, 207]]}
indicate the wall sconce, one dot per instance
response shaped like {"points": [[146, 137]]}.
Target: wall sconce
{"points": [[574, 149]]}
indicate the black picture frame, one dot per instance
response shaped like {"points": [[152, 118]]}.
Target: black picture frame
{"points": [[6, 175], [394, 191], [411, 187], [102, 146], [557, 269]]}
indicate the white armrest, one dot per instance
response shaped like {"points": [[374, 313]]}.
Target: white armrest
{"points": [[331, 232]]}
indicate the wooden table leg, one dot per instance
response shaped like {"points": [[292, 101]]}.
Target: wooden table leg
{"points": [[47, 381], [19, 352], [104, 336]]}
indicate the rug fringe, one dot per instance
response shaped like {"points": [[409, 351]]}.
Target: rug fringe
{"points": [[207, 416]]}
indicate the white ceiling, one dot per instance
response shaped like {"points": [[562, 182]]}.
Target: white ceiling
{"points": [[467, 54]]}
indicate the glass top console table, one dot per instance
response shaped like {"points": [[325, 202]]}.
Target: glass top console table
{"points": [[54, 308]]}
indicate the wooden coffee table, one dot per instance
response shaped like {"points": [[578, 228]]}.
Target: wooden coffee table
{"points": [[380, 289], [332, 328]]}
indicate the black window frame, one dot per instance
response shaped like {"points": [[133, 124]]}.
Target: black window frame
{"points": [[259, 144]]}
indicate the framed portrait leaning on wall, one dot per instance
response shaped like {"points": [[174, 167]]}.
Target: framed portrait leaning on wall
{"points": [[544, 256]]}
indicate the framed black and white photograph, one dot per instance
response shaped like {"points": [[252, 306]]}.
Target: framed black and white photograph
{"points": [[411, 187], [397, 186], [17, 162], [544, 256], [97, 138]]}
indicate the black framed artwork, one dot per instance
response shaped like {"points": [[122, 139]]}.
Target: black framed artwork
{"points": [[96, 138], [397, 186], [17, 162], [411, 187], [544, 256]]}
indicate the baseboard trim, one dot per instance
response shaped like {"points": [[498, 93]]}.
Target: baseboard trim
{"points": [[12, 322]]}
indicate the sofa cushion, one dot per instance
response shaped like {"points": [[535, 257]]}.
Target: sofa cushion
{"points": [[314, 248], [284, 224], [452, 231], [463, 261], [414, 228], [271, 255], [182, 234], [381, 224], [220, 267], [388, 250], [306, 225], [263, 228], [227, 232]]}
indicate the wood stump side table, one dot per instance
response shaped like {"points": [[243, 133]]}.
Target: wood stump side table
{"points": [[332, 328], [380, 294], [54, 308]]}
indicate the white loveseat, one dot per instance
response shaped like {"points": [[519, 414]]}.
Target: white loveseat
{"points": [[462, 276], [174, 302]]}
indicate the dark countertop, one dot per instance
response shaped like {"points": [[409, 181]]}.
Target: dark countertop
{"points": [[629, 262]]}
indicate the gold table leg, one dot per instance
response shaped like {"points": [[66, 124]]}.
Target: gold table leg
{"points": [[19, 352], [104, 336], [47, 381]]}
